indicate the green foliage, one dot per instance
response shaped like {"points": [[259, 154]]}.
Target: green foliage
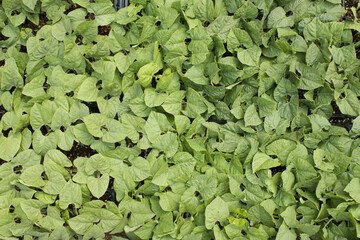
{"points": [[206, 119]]}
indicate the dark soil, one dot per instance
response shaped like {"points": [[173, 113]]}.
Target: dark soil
{"points": [[2, 111], [35, 28], [72, 7], [301, 94], [2, 37], [278, 169], [79, 150], [336, 109], [104, 30], [93, 107], [348, 4]]}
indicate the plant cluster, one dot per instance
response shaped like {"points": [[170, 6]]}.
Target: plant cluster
{"points": [[178, 119]]}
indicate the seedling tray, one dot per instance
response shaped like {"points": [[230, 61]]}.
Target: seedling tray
{"points": [[118, 4], [342, 120]]}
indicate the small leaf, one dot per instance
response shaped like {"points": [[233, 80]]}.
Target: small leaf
{"points": [[146, 73], [98, 186]]}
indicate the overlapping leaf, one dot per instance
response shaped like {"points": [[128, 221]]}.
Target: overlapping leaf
{"points": [[203, 119]]}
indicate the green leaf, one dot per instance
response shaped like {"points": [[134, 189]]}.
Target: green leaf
{"points": [[32, 176], [10, 145], [98, 185], [280, 148], [196, 75], [169, 201], [353, 190], [35, 87], [82, 134], [204, 10], [10, 76], [277, 19], [344, 54], [52, 220], [263, 161], [97, 162], [30, 3], [31, 208], [123, 184], [310, 77], [88, 29], [104, 12], [221, 26], [316, 30], [60, 119], [275, 122], [229, 68], [140, 169], [285, 233], [59, 233], [123, 62], [217, 210], [319, 123], [108, 129], [140, 213], [161, 176], [94, 123], [238, 37], [182, 123], [349, 104], [70, 194], [251, 116], [173, 102], [167, 143], [146, 73], [82, 223], [88, 90], [250, 56], [55, 184], [259, 213], [194, 104], [94, 232], [109, 218], [60, 29], [152, 98], [146, 231], [247, 10], [165, 225], [205, 185], [39, 116], [138, 106], [108, 107], [156, 124], [313, 54], [185, 161], [320, 161], [355, 130]]}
